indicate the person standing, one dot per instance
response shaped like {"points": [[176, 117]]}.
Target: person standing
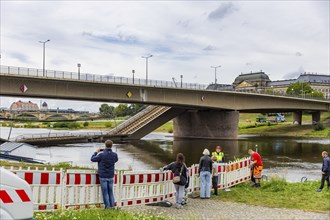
{"points": [[106, 160], [325, 171], [219, 154], [257, 166], [215, 175], [179, 168], [204, 171]]}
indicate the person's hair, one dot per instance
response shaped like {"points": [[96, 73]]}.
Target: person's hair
{"points": [[108, 144], [214, 158], [325, 153], [206, 152], [180, 158]]}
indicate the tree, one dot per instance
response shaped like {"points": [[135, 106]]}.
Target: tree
{"points": [[122, 110], [107, 111], [135, 108], [303, 89]]}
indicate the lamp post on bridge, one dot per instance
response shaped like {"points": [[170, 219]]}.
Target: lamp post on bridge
{"points": [[133, 72], [215, 73], [44, 56], [147, 58], [181, 76], [78, 65]]}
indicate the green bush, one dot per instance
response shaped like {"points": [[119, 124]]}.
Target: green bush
{"points": [[71, 125], [170, 130], [86, 123], [318, 126], [108, 125]]}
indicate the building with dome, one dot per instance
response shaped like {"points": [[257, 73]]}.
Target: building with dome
{"points": [[24, 106], [260, 82], [44, 107]]}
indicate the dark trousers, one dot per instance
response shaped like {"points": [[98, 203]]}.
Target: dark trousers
{"points": [[215, 184], [325, 177]]}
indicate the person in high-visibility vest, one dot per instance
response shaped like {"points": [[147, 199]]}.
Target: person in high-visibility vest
{"points": [[219, 154]]}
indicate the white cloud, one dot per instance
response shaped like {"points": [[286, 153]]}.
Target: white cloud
{"points": [[184, 37]]}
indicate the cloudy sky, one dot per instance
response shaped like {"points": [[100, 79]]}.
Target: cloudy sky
{"points": [[282, 38]]}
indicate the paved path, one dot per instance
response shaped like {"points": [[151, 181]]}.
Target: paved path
{"points": [[215, 209]]}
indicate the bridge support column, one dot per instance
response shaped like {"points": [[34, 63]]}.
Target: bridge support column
{"points": [[207, 124], [316, 117], [297, 117]]}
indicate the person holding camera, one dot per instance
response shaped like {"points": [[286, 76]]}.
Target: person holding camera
{"points": [[106, 160], [180, 179]]}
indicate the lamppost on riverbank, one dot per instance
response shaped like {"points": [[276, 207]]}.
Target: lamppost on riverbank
{"points": [[147, 58], [133, 72], [44, 56], [215, 73]]}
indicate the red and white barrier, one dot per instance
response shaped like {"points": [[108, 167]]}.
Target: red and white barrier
{"points": [[81, 188]]}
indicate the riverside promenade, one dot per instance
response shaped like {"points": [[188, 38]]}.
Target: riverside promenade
{"points": [[210, 209]]}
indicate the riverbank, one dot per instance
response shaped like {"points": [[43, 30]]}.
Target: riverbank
{"points": [[274, 200], [247, 125]]}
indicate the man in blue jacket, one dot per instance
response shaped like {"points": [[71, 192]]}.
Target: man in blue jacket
{"points": [[106, 160], [325, 171]]}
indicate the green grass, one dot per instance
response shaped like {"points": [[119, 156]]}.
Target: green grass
{"points": [[94, 214], [280, 194], [166, 128], [287, 130]]}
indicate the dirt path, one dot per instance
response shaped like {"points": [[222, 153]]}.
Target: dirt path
{"points": [[215, 209]]}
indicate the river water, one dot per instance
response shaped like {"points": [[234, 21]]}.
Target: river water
{"points": [[291, 158]]}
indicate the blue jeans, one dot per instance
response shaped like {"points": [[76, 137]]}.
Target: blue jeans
{"points": [[205, 181], [107, 192], [179, 193]]}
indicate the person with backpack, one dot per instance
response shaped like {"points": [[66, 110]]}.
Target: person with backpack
{"points": [[204, 171], [325, 171], [180, 171]]}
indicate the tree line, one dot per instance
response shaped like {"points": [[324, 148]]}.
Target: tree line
{"points": [[122, 110]]}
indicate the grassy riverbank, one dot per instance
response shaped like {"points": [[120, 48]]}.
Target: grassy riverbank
{"points": [[94, 214], [247, 125], [280, 194]]}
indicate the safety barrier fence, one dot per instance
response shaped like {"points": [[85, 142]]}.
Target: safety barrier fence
{"points": [[62, 189]]}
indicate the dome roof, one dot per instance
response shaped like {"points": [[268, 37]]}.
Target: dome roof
{"points": [[252, 77]]}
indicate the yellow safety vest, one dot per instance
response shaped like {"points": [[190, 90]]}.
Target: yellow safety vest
{"points": [[219, 156]]}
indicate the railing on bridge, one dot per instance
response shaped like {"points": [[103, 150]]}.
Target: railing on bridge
{"points": [[95, 78], [60, 189]]}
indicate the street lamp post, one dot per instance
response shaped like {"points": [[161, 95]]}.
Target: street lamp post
{"points": [[44, 56], [78, 65], [181, 76], [147, 58], [215, 73], [133, 71]]}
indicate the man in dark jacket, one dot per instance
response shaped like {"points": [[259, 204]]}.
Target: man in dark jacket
{"points": [[325, 171], [106, 160]]}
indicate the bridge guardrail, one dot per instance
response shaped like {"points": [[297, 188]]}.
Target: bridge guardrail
{"points": [[63, 189], [10, 70]]}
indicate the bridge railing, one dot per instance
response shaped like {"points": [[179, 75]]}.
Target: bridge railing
{"points": [[10, 70], [62, 189], [56, 135]]}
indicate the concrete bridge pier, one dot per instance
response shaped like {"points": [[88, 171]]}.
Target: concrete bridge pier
{"points": [[316, 117], [212, 124], [297, 117]]}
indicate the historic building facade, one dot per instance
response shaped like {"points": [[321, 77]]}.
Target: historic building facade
{"points": [[260, 82], [24, 106]]}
